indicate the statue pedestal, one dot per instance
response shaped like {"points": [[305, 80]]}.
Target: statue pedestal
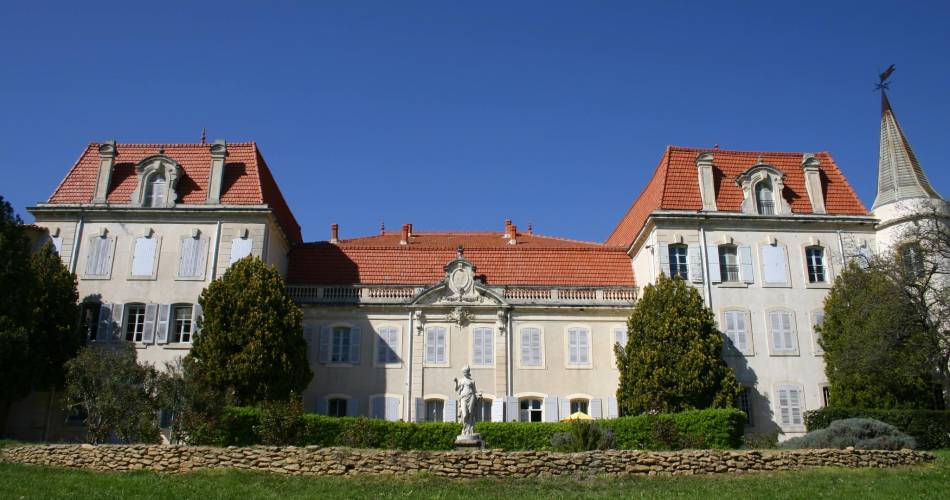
{"points": [[469, 442]]}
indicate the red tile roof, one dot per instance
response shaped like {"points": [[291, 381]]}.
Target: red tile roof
{"points": [[247, 179], [675, 186], [534, 260]]}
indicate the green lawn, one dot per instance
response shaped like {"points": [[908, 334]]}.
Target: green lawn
{"points": [[933, 480]]}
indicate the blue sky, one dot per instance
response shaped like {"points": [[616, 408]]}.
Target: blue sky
{"points": [[455, 116]]}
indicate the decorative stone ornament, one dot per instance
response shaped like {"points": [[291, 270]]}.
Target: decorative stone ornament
{"points": [[157, 179], [460, 279], [460, 316], [762, 172]]}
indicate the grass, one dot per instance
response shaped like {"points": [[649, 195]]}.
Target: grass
{"points": [[927, 481]]}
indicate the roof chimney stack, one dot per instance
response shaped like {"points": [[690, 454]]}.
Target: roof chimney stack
{"points": [[511, 234], [404, 240], [507, 228], [106, 162], [410, 230], [334, 233], [219, 150]]}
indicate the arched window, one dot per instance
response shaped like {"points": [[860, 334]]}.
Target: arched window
{"points": [[580, 405], [911, 258], [155, 191], [434, 410], [530, 410], [764, 199]]}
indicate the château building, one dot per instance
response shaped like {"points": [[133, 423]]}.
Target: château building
{"points": [[391, 318]]}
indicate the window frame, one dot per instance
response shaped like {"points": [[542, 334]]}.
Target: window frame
{"points": [[726, 270], [446, 362], [173, 324], [759, 202], [155, 258], [613, 342], [137, 336], [793, 324], [400, 411], [912, 263], [202, 255], [589, 363], [473, 338], [578, 401], [762, 266], [826, 267], [438, 407], [531, 411], [542, 362], [110, 240], [337, 400], [344, 354], [380, 342], [681, 268], [745, 394], [95, 307], [802, 407], [148, 198], [747, 319]]}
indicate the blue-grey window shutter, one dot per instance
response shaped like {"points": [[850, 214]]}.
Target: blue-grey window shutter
{"points": [[665, 259], [161, 330], [565, 405], [746, 273], [712, 257], [695, 263], [597, 408], [148, 334], [104, 330], [117, 314], [325, 344], [449, 412], [612, 411], [378, 407], [498, 410], [511, 409], [550, 409], [355, 334], [352, 407], [321, 405], [420, 415]]}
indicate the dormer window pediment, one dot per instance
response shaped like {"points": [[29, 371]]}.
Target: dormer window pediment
{"points": [[762, 186], [157, 178]]}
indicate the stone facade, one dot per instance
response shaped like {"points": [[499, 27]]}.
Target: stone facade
{"points": [[316, 461]]}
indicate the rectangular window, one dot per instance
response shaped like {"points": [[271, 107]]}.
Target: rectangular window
{"points": [[578, 346], [483, 346], [434, 409], [530, 410], [790, 405], [728, 263], [191, 262], [679, 263], [530, 347], [135, 322], [387, 345], [89, 319], [815, 257], [99, 260], [736, 330], [774, 270], [579, 405], [384, 407], [783, 335], [825, 395], [435, 345], [483, 410], [181, 326], [744, 403], [336, 407], [340, 345], [143, 256]]}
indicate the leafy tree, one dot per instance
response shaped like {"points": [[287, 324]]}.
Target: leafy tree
{"points": [[15, 286], [673, 357], [116, 393], [878, 352], [251, 341], [55, 336], [195, 408]]}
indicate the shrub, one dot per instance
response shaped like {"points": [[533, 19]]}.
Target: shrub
{"points": [[281, 422], [930, 428], [861, 433], [760, 440], [583, 436]]}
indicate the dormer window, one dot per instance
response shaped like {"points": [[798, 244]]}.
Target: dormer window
{"points": [[156, 190], [764, 199]]}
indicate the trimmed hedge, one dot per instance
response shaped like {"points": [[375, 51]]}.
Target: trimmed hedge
{"points": [[691, 429], [930, 428]]}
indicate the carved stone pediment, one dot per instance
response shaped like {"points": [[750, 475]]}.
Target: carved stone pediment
{"points": [[146, 170], [459, 287]]}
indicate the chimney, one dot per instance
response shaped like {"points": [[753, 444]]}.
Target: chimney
{"points": [[404, 240], [410, 230], [811, 165], [507, 228], [707, 188], [219, 150], [334, 233], [511, 234], [106, 162]]}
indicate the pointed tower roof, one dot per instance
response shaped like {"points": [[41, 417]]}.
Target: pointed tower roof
{"points": [[899, 174]]}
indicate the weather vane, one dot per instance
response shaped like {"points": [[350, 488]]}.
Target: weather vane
{"points": [[883, 85]]}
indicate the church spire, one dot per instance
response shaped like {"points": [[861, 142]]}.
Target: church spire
{"points": [[899, 174]]}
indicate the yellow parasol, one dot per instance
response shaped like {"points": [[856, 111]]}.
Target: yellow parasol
{"points": [[577, 415]]}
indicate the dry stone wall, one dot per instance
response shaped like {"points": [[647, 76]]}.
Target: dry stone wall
{"points": [[317, 461]]}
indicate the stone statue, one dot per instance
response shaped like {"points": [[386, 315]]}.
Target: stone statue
{"points": [[468, 399]]}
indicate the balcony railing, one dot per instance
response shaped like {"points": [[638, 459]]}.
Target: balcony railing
{"points": [[356, 294]]}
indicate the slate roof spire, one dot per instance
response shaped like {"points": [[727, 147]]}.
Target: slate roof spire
{"points": [[899, 174]]}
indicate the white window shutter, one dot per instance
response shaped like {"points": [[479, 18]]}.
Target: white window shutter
{"points": [[109, 253], [488, 347], [392, 408], [202, 257], [240, 248], [777, 338], [695, 264], [665, 259], [352, 407], [93, 258], [104, 330], [354, 354], [148, 334], [186, 258], [196, 320], [564, 407], [143, 256], [477, 347], [511, 409], [117, 314], [597, 408], [396, 344], [322, 404], [787, 330], [550, 409], [746, 273], [440, 340], [775, 271], [585, 346], [742, 332], [420, 410], [712, 257], [612, 411], [161, 328], [449, 410], [536, 347], [325, 344], [498, 410]]}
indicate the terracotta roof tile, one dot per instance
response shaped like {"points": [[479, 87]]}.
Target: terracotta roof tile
{"points": [[247, 179], [675, 186]]}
